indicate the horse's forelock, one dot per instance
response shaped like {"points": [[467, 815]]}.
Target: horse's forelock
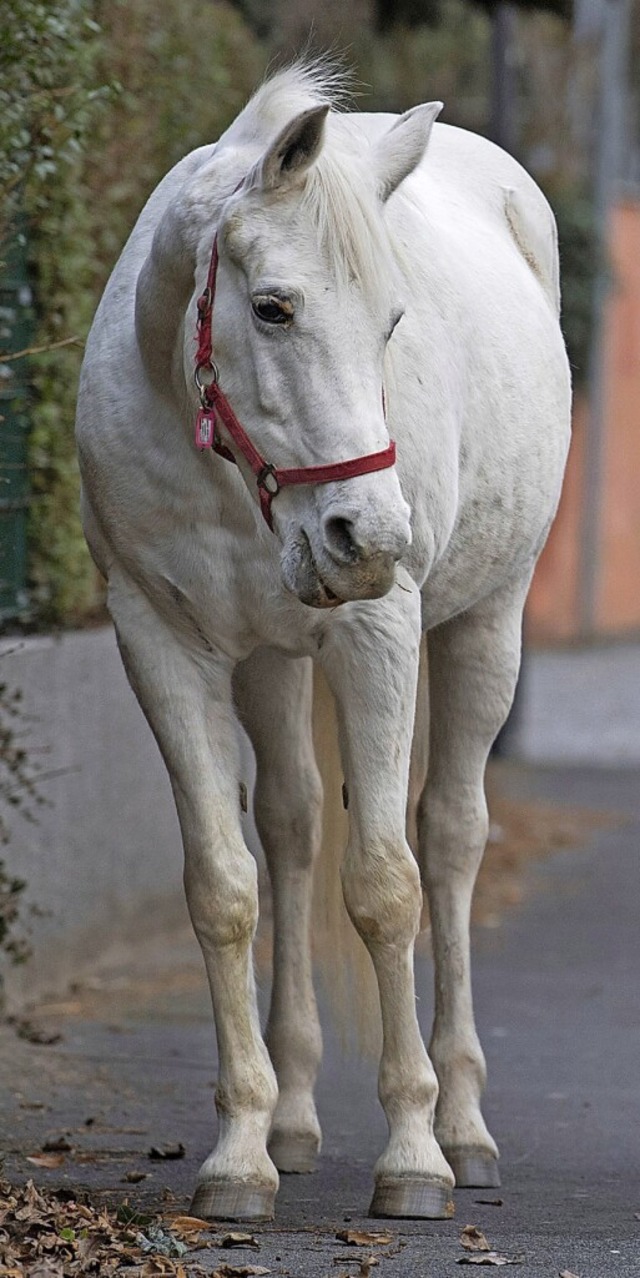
{"points": [[344, 207]]}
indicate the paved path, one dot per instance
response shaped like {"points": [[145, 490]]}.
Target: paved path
{"points": [[559, 1014], [580, 705]]}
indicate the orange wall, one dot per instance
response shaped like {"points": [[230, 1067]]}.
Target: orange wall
{"points": [[553, 610]]}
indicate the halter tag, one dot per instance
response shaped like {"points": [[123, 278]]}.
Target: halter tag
{"points": [[205, 429]]}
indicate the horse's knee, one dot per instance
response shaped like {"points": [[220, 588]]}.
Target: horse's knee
{"points": [[453, 829], [382, 893], [288, 812], [222, 896]]}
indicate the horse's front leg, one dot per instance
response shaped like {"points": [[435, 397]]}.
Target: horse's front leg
{"points": [[473, 667], [371, 659], [186, 696]]}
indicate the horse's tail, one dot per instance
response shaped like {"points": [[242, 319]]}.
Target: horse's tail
{"points": [[341, 959]]}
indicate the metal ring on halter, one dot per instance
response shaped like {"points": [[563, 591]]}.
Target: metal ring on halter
{"points": [[204, 386]]}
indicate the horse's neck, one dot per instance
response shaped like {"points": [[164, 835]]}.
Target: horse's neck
{"points": [[167, 278], [163, 290]]}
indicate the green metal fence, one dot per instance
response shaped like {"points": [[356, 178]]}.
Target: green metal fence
{"points": [[15, 333]]}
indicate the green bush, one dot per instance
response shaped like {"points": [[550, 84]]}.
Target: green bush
{"points": [[46, 96], [82, 160], [580, 256]]}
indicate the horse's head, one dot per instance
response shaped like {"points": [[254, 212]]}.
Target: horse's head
{"points": [[307, 296]]}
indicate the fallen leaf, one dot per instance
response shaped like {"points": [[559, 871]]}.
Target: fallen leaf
{"points": [[161, 1265], [567, 1273], [473, 1239], [356, 1238], [189, 1224], [240, 1271], [57, 1145], [134, 1177], [46, 1160], [31, 1033], [165, 1152], [489, 1258], [236, 1239]]}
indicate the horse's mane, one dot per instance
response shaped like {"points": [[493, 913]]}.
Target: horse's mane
{"points": [[339, 192]]}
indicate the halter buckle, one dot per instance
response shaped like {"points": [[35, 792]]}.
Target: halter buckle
{"points": [[268, 479], [203, 387]]}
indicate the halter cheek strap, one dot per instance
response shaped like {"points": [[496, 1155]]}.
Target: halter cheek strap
{"points": [[215, 409]]}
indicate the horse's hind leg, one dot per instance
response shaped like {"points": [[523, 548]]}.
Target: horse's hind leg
{"points": [[273, 695], [185, 693], [473, 666]]}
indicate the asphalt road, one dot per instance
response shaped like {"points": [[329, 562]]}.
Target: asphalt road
{"points": [[558, 1009]]}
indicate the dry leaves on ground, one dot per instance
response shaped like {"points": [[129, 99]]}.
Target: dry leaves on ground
{"points": [[166, 1152], [46, 1160], [365, 1263], [489, 1258], [189, 1229], [44, 1237], [358, 1238], [473, 1239], [32, 1033], [57, 1145], [240, 1271], [237, 1239]]}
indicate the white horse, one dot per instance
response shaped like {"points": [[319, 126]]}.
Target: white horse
{"points": [[375, 278]]}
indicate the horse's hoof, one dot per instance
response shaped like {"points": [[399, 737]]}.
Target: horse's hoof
{"points": [[233, 1200], [412, 1197], [294, 1152], [473, 1168]]}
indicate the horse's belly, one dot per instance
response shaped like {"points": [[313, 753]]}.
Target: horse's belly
{"points": [[497, 537]]}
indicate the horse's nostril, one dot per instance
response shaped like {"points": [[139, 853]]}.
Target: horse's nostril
{"points": [[340, 540]]}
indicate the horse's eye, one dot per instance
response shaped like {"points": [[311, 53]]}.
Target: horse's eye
{"points": [[273, 310]]}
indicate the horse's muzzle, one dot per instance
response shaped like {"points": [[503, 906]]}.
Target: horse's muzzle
{"points": [[324, 580]]}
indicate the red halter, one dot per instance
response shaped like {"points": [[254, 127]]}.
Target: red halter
{"points": [[215, 407]]}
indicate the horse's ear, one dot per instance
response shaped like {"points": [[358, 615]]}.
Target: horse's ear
{"points": [[403, 146], [294, 150]]}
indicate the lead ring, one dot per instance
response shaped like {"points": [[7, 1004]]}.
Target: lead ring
{"points": [[213, 381]]}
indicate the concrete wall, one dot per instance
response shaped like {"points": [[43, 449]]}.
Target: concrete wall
{"points": [[105, 857]]}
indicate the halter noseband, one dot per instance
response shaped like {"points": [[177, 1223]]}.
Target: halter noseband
{"points": [[215, 408]]}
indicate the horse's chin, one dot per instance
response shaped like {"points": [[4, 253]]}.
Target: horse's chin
{"points": [[300, 575], [319, 587]]}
